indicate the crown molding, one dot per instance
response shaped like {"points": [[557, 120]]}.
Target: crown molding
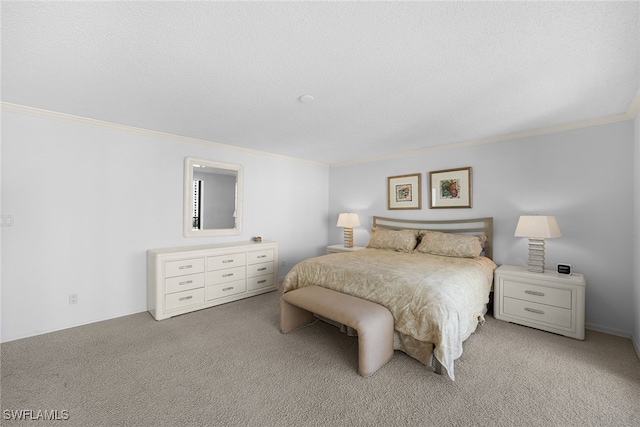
{"points": [[628, 115], [634, 107], [54, 115]]}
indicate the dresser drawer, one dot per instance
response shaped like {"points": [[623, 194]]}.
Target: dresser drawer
{"points": [[183, 267], [260, 269], [535, 293], [216, 277], [226, 261], [225, 289], [184, 298], [258, 282], [260, 256], [539, 313], [183, 283]]}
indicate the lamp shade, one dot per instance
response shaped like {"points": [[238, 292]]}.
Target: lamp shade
{"points": [[348, 220], [537, 226]]}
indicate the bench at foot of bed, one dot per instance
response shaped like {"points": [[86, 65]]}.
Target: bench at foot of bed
{"points": [[373, 322]]}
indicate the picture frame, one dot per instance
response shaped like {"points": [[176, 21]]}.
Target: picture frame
{"points": [[450, 188], [404, 192]]}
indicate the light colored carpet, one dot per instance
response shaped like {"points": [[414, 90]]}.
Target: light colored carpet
{"points": [[230, 366]]}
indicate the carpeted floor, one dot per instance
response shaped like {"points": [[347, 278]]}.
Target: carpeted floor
{"points": [[230, 366]]}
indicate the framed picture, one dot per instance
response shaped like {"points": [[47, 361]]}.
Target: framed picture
{"points": [[450, 188], [404, 192]]}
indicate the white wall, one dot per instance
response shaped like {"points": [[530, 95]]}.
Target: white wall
{"points": [[636, 237], [88, 201], [584, 177]]}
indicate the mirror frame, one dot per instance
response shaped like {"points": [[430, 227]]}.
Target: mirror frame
{"points": [[187, 226]]}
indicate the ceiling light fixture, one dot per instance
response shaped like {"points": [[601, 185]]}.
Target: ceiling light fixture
{"points": [[306, 99]]}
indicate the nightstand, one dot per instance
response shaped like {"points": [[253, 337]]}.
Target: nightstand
{"points": [[334, 249], [549, 301]]}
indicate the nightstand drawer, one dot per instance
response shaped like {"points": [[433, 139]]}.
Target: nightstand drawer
{"points": [[537, 312], [539, 294]]}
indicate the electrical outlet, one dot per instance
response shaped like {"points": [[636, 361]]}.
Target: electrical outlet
{"points": [[73, 298]]}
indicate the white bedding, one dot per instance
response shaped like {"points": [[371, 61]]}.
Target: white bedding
{"points": [[433, 299]]}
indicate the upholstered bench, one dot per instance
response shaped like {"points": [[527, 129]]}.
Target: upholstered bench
{"points": [[373, 322]]}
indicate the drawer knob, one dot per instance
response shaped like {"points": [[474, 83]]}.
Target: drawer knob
{"points": [[186, 298], [533, 310], [182, 267], [262, 269], [227, 289], [538, 294], [226, 261], [262, 281], [186, 282], [227, 275], [262, 256]]}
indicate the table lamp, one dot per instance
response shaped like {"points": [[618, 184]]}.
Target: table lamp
{"points": [[348, 221], [537, 228]]}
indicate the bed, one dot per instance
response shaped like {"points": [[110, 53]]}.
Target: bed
{"points": [[433, 276]]}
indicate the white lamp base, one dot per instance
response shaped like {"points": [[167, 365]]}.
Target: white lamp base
{"points": [[536, 255], [348, 237]]}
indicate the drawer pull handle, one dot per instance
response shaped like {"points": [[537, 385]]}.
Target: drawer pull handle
{"points": [[538, 294], [263, 281], [227, 275], [226, 261], [186, 282], [185, 298], [262, 269], [532, 310], [182, 267], [262, 256], [227, 289]]}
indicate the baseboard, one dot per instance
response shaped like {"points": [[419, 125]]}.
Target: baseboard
{"points": [[610, 331], [62, 328]]}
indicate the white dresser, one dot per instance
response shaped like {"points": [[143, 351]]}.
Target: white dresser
{"points": [[549, 301], [185, 279]]}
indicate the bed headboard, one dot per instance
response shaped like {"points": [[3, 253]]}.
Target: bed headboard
{"points": [[474, 226]]}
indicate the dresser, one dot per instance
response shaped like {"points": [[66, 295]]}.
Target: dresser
{"points": [[549, 301], [185, 279]]}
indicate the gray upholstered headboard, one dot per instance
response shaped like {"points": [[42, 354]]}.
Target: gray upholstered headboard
{"points": [[474, 226]]}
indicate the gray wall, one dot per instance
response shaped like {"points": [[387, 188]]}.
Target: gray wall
{"points": [[584, 177], [88, 201]]}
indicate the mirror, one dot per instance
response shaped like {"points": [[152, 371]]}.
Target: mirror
{"points": [[212, 198]]}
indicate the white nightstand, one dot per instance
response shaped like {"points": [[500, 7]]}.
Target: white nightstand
{"points": [[549, 301], [334, 249]]}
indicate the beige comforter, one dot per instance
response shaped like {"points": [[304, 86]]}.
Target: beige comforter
{"points": [[433, 299]]}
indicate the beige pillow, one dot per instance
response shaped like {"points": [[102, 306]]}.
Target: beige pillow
{"points": [[397, 240], [447, 244]]}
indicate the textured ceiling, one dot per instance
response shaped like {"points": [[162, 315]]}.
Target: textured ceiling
{"points": [[386, 77]]}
